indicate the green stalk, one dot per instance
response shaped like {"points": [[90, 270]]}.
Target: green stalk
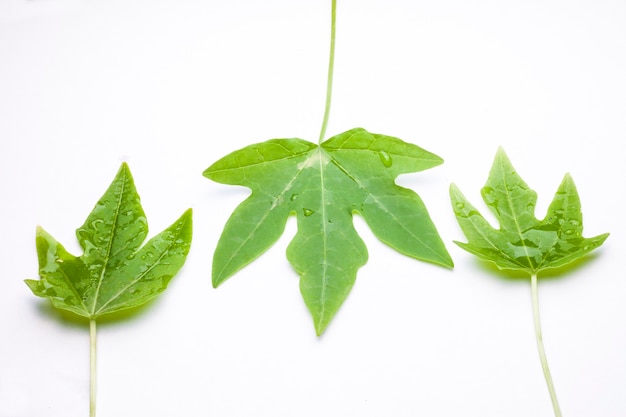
{"points": [[92, 368], [331, 67], [542, 351]]}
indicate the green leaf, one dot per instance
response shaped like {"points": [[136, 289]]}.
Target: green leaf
{"points": [[523, 242], [324, 185], [114, 273]]}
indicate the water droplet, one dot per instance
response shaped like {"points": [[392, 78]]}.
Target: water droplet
{"points": [[150, 255], [307, 212], [569, 232], [94, 224], [293, 197], [385, 158], [460, 205], [488, 195]]}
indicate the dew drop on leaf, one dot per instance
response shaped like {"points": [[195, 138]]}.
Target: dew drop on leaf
{"points": [[385, 158], [94, 224], [489, 196], [307, 212]]}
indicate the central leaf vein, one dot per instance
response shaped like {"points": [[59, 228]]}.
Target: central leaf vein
{"points": [[112, 233]]}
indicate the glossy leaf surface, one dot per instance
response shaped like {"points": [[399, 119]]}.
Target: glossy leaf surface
{"points": [[115, 272], [523, 242], [324, 185]]}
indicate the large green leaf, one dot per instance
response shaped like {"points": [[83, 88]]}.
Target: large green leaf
{"points": [[523, 242], [114, 273], [324, 185]]}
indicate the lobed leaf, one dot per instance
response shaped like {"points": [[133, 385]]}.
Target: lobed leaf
{"points": [[324, 185], [523, 242], [114, 272]]}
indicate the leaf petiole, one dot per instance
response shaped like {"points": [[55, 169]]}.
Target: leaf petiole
{"points": [[542, 352], [331, 67], [92, 367]]}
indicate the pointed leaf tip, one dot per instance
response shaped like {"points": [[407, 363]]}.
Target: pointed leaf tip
{"points": [[319, 329], [124, 169]]}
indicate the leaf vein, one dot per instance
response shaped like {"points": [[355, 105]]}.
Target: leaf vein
{"points": [[107, 258]]}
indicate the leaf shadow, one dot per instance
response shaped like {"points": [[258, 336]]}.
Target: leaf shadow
{"points": [[69, 319], [547, 274]]}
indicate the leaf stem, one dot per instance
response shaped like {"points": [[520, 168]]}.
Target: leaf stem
{"points": [[92, 368], [542, 351], [331, 67]]}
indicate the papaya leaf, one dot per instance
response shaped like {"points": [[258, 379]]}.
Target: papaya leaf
{"points": [[114, 273], [523, 242], [324, 185]]}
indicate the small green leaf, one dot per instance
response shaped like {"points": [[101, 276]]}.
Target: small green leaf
{"points": [[523, 242], [324, 185], [114, 273]]}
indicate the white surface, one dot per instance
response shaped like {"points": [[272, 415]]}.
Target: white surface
{"points": [[171, 86]]}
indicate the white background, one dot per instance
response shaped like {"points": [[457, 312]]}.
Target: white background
{"points": [[172, 86]]}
